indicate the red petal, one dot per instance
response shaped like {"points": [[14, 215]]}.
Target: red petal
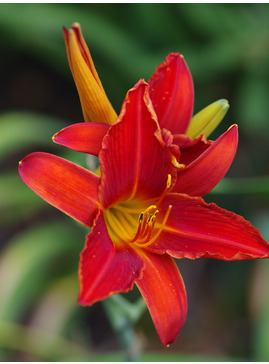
{"points": [[134, 164], [191, 149], [172, 94], [104, 268], [164, 292], [70, 188], [205, 172], [196, 229], [82, 137]]}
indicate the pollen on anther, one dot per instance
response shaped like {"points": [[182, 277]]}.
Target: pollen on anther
{"points": [[169, 179], [176, 164]]}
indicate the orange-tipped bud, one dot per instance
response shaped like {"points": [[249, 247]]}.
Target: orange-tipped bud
{"points": [[94, 102]]}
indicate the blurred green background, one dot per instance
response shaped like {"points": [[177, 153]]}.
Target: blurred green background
{"points": [[227, 49]]}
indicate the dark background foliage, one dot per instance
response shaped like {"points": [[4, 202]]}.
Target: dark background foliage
{"points": [[227, 49]]}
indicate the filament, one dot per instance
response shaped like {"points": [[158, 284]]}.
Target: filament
{"points": [[168, 185], [160, 229]]}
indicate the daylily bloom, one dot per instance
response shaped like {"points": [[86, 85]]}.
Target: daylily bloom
{"points": [[170, 88], [172, 95], [142, 212]]}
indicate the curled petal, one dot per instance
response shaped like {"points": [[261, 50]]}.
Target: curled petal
{"points": [[82, 137], [206, 120], [95, 104], [64, 185], [191, 149], [106, 269], [167, 139], [164, 292], [205, 172], [134, 164], [196, 229], [172, 94]]}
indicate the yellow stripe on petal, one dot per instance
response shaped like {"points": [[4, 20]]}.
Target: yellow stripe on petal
{"points": [[206, 120], [95, 105]]}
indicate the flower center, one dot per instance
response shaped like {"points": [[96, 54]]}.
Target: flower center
{"points": [[133, 224]]}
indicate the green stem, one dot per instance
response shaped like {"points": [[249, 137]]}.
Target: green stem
{"points": [[122, 316]]}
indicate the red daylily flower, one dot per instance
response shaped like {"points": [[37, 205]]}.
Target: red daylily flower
{"points": [[142, 212], [171, 91], [172, 95], [171, 86]]}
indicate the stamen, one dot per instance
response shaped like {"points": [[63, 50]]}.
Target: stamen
{"points": [[147, 233], [168, 185], [169, 179], [139, 229], [145, 223], [123, 226], [160, 229], [176, 164], [151, 207]]}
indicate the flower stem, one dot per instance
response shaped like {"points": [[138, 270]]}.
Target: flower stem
{"points": [[123, 315]]}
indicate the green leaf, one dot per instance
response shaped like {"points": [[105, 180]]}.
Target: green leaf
{"points": [[17, 201], [22, 129], [31, 259], [252, 100], [58, 302], [44, 38], [257, 186], [39, 343]]}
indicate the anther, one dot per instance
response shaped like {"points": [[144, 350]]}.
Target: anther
{"points": [[176, 164], [169, 180], [142, 237], [160, 229]]}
